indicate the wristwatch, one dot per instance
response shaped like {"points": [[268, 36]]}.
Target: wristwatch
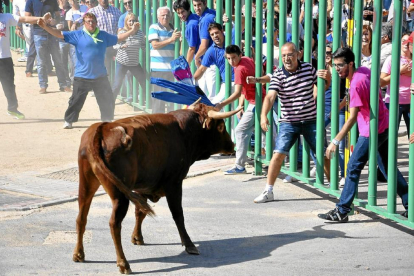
{"points": [[335, 142]]}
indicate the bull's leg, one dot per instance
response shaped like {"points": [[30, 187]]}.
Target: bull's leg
{"points": [[136, 237], [119, 209], [87, 189], [174, 199]]}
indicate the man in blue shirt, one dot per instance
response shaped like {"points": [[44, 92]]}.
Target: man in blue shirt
{"points": [[215, 55], [46, 44], [90, 72], [128, 8], [207, 16], [182, 8]]}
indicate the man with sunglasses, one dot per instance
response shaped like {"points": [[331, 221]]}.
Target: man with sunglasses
{"points": [[359, 93], [128, 7]]}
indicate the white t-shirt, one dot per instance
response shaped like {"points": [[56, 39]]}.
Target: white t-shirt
{"points": [[18, 7], [75, 16], [6, 20]]}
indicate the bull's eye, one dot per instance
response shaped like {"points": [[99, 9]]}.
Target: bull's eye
{"points": [[220, 128]]}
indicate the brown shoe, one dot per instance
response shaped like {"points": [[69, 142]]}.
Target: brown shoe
{"points": [[28, 75], [42, 91]]}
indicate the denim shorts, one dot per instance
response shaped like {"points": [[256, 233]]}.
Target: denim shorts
{"points": [[289, 133]]}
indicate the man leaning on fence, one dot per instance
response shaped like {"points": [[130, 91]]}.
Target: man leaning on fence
{"points": [[294, 84], [359, 92]]}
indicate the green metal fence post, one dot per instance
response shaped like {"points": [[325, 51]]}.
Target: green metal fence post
{"points": [[141, 15], [248, 29], [337, 30], [227, 81], [219, 19], [258, 98], [411, 163], [394, 106]]}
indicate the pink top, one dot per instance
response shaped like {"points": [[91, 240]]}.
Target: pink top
{"points": [[405, 82], [359, 97]]}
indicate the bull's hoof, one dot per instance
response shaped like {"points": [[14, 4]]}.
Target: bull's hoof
{"points": [[124, 268], [79, 257], [192, 250], [137, 241]]}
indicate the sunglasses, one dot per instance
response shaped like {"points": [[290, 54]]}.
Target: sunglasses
{"points": [[128, 3], [328, 53]]}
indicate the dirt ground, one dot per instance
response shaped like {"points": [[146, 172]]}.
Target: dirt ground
{"points": [[39, 142]]}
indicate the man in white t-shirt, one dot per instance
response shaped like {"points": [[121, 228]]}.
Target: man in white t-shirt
{"points": [[6, 62]]}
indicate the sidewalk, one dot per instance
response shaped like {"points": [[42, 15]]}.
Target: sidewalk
{"points": [[32, 190]]}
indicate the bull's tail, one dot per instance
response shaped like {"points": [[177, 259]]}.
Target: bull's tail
{"points": [[104, 175]]}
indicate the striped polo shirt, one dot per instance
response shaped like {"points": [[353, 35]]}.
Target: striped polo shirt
{"points": [[295, 92], [129, 56], [161, 58]]}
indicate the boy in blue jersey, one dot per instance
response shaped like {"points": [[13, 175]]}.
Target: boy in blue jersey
{"points": [[90, 72], [182, 8]]}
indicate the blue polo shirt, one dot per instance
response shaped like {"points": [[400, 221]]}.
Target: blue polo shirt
{"points": [[90, 55], [192, 34], [37, 8], [208, 17], [215, 56]]}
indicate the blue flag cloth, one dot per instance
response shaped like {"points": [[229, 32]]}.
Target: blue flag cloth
{"points": [[181, 70], [184, 93]]}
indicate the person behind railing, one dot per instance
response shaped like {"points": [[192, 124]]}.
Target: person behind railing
{"points": [[243, 67], [293, 83], [192, 34], [127, 57], [128, 9], [63, 46], [90, 71], [207, 16], [215, 55], [162, 37], [386, 42], [359, 92], [405, 80], [366, 46]]}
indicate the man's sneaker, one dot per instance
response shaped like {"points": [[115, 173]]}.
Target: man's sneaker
{"points": [[289, 179], [16, 114], [67, 125], [342, 182], [28, 75], [334, 215], [313, 172], [22, 59], [405, 214], [235, 170], [264, 197], [42, 91]]}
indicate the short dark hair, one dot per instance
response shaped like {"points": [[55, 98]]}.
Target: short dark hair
{"points": [[215, 25], [204, 1], [181, 4], [346, 53], [233, 49]]}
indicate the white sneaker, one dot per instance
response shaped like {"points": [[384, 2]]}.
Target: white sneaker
{"points": [[342, 182], [313, 172], [264, 197], [22, 59], [67, 125], [289, 179]]}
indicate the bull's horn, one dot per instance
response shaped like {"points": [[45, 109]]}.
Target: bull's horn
{"points": [[194, 103], [223, 115]]}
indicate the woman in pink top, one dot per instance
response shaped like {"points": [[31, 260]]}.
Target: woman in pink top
{"points": [[405, 79]]}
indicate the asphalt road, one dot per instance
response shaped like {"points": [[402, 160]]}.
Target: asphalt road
{"points": [[234, 236]]}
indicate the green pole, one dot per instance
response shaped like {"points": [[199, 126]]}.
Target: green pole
{"points": [[394, 103], [293, 153], [258, 98], [248, 29], [307, 54], [210, 4], [238, 23], [411, 163], [219, 19], [148, 60], [335, 93], [162, 3], [373, 123], [227, 81], [269, 70], [154, 11], [141, 54], [320, 118]]}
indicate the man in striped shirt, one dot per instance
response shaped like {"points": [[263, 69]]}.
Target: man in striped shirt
{"points": [[294, 84], [162, 37]]}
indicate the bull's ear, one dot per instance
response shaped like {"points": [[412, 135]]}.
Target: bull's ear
{"points": [[221, 127]]}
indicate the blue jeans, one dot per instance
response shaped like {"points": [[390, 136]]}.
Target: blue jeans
{"points": [[342, 142], [47, 45], [357, 162], [64, 49], [289, 133], [120, 72], [403, 111]]}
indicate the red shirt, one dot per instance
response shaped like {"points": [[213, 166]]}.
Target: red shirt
{"points": [[241, 72]]}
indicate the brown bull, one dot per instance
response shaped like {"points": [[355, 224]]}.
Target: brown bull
{"points": [[145, 157]]}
